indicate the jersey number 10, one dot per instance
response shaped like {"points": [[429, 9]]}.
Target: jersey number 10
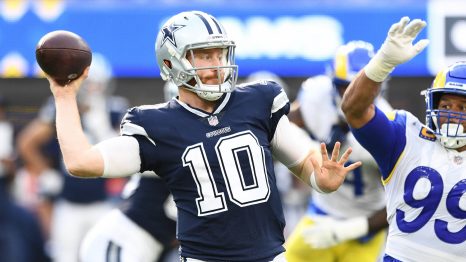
{"points": [[210, 200]]}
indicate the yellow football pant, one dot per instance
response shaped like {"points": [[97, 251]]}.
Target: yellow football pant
{"points": [[350, 251]]}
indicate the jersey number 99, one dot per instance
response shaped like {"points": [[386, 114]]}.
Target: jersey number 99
{"points": [[430, 204]]}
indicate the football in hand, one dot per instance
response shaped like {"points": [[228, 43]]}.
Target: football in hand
{"points": [[63, 55]]}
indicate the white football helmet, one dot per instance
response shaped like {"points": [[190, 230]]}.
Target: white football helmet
{"points": [[451, 80], [185, 32]]}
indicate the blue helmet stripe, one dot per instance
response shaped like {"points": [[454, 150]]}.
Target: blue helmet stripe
{"points": [[217, 24], [207, 25]]}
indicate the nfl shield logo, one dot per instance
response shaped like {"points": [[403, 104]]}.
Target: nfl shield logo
{"points": [[213, 120]]}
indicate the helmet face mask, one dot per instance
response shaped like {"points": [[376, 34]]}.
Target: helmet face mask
{"points": [[177, 43], [446, 124]]}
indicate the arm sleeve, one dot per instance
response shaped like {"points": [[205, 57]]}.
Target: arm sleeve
{"points": [[280, 106], [384, 137], [290, 144], [121, 156]]}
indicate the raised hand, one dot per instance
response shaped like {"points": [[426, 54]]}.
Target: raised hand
{"points": [[71, 88], [398, 48], [331, 174]]}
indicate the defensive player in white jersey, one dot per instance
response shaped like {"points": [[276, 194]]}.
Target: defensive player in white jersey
{"points": [[213, 146], [345, 225], [423, 166]]}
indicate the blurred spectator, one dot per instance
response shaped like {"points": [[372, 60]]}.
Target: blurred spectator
{"points": [[70, 206], [21, 238]]}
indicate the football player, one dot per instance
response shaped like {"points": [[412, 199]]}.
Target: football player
{"points": [[213, 146], [423, 166], [70, 206], [143, 229], [352, 217]]}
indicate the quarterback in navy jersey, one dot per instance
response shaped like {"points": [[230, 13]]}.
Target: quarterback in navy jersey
{"points": [[213, 146], [235, 145]]}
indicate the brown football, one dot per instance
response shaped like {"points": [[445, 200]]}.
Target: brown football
{"points": [[63, 55]]}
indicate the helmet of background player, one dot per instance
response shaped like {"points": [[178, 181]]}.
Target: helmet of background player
{"points": [[449, 126], [98, 85], [268, 75], [188, 31], [348, 61], [100, 75], [170, 90]]}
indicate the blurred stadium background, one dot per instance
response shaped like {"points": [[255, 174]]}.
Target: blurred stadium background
{"points": [[294, 39]]}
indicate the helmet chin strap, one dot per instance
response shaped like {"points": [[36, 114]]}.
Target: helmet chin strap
{"points": [[206, 91], [209, 96], [450, 133], [213, 96]]}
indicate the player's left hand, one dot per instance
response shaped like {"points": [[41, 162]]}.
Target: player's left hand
{"points": [[397, 48], [331, 174], [327, 231]]}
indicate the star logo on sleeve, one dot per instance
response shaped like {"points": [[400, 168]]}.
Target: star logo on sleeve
{"points": [[169, 33]]}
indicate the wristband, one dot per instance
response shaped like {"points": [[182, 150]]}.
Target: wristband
{"points": [[377, 70], [314, 185]]}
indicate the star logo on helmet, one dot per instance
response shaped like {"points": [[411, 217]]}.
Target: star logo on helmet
{"points": [[169, 33]]}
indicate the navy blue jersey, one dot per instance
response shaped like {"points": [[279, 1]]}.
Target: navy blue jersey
{"points": [[21, 237], [146, 207], [219, 168]]}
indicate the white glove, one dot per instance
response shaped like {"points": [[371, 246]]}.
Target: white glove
{"points": [[398, 48], [327, 232]]}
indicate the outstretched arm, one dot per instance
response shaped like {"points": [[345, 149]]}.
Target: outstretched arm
{"points": [[114, 157], [80, 157], [293, 147], [398, 48]]}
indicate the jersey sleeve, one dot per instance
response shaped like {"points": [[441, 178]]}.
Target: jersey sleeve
{"points": [[384, 136], [280, 105], [131, 125]]}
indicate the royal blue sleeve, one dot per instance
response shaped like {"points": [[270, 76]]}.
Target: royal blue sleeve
{"points": [[385, 139]]}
